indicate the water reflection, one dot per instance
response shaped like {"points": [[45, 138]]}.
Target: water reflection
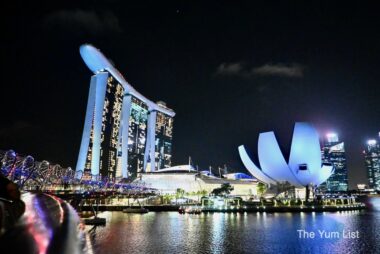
{"points": [[170, 232]]}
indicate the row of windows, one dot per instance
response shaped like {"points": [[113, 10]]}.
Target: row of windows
{"points": [[111, 135]]}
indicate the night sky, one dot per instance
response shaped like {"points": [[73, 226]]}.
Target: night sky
{"points": [[230, 71]]}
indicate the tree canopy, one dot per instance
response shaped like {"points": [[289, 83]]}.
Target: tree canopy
{"points": [[223, 190]]}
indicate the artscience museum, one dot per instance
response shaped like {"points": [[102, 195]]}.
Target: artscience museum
{"points": [[303, 168]]}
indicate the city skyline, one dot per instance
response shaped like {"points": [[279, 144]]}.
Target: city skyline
{"points": [[190, 127], [230, 72]]}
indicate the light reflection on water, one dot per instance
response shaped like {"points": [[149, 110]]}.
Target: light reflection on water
{"points": [[170, 232]]}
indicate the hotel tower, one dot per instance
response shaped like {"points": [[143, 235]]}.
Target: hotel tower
{"points": [[124, 132]]}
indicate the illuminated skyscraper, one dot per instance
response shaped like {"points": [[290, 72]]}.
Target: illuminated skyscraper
{"points": [[138, 121], [372, 163], [164, 134], [123, 131], [333, 152]]}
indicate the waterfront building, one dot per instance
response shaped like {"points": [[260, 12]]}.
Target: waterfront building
{"points": [[372, 163], [303, 169], [185, 177], [238, 176], [333, 151], [164, 135], [124, 132], [137, 135]]}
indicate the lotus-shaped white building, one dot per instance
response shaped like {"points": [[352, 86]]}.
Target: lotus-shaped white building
{"points": [[304, 167]]}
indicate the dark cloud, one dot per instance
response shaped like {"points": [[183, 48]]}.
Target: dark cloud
{"points": [[281, 70], [292, 71], [229, 69], [84, 21]]}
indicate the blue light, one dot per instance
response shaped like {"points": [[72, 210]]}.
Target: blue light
{"points": [[305, 152]]}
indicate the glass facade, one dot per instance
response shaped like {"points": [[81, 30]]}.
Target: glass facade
{"points": [[372, 163], [333, 152], [163, 142], [110, 132], [87, 168], [121, 126], [137, 132], [111, 118]]}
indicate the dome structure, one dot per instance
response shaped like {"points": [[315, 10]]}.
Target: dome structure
{"points": [[304, 166]]}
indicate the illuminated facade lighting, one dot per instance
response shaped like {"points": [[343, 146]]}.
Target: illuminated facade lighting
{"points": [[303, 167], [333, 151], [372, 163], [164, 134], [124, 132]]}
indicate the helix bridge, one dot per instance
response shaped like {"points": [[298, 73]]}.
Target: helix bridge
{"points": [[31, 175]]}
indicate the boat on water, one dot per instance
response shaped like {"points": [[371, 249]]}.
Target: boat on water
{"points": [[181, 210], [194, 210], [135, 210], [190, 210]]}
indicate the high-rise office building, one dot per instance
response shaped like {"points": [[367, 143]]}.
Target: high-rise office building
{"points": [[123, 131], [372, 163], [333, 152]]}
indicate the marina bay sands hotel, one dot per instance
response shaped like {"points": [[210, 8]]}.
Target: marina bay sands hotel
{"points": [[124, 132]]}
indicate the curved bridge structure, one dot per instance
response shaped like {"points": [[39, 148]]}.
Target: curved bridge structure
{"points": [[32, 175]]}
